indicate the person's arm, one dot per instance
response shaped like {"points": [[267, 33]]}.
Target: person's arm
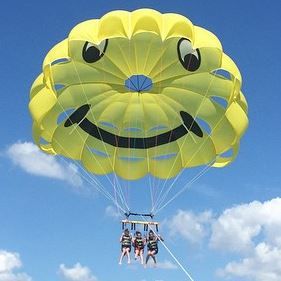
{"points": [[121, 238]]}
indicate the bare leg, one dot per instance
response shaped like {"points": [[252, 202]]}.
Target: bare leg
{"points": [[122, 255], [147, 257], [153, 257], [136, 253], [141, 256], [128, 254]]}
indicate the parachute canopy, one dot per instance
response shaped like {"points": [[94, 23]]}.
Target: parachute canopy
{"points": [[139, 92]]}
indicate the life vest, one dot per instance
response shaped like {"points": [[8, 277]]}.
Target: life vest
{"points": [[152, 244], [126, 240], [139, 243]]}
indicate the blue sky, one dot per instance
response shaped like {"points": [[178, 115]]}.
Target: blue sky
{"points": [[49, 224]]}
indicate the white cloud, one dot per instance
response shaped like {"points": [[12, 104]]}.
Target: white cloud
{"points": [[251, 231], [27, 156], [77, 273], [236, 229], [264, 264], [192, 227], [9, 262], [254, 231], [166, 265]]}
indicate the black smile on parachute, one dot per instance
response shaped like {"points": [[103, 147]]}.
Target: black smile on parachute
{"points": [[78, 117]]}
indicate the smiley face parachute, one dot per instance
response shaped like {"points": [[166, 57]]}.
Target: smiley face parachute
{"points": [[137, 93]]}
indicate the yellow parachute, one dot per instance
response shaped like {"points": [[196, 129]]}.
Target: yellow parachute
{"points": [[139, 92]]}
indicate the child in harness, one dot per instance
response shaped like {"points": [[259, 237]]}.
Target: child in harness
{"points": [[139, 243]]}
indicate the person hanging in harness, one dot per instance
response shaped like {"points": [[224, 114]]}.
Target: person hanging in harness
{"points": [[126, 244], [152, 246], [139, 243]]}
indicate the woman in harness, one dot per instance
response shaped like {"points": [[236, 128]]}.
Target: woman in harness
{"points": [[126, 243], [152, 246], [139, 242]]}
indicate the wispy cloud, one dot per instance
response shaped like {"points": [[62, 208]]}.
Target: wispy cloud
{"points": [[166, 265], [10, 263], [190, 226], [206, 190], [76, 273], [29, 158], [112, 212]]}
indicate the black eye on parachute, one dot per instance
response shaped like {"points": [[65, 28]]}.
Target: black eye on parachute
{"points": [[189, 58], [92, 53]]}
